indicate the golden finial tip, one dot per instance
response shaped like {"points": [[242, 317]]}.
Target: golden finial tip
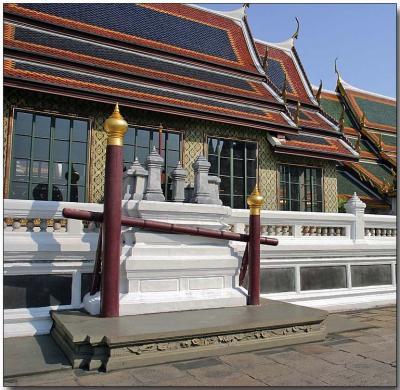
{"points": [[255, 201], [116, 127]]}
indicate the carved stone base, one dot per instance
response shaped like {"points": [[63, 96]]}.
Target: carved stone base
{"points": [[91, 342]]}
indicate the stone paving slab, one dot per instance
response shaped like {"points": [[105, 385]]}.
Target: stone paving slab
{"points": [[321, 364], [26, 355]]}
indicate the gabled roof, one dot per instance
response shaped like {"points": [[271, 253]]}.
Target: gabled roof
{"points": [[173, 28], [373, 143], [379, 111], [348, 184], [83, 51], [324, 147], [283, 61], [151, 93], [376, 174], [330, 102], [167, 57]]}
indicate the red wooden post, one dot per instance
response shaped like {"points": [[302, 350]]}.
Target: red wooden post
{"points": [[255, 201], [116, 127]]}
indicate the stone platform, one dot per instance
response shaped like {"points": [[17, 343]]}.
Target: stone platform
{"points": [[92, 342]]}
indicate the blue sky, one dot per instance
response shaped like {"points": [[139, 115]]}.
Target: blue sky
{"points": [[362, 36]]}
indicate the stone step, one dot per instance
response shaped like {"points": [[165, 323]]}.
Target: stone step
{"points": [[92, 342]]}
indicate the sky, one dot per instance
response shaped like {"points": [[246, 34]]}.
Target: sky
{"points": [[362, 36]]}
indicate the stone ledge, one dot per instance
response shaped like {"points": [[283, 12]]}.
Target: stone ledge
{"points": [[132, 341]]}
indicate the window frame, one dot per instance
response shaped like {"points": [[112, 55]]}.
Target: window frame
{"points": [[53, 114], [247, 191], [303, 166]]}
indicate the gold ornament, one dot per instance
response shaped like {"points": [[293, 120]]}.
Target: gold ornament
{"points": [[255, 201], [116, 127]]}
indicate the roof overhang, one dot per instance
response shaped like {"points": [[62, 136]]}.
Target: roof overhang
{"points": [[335, 149]]}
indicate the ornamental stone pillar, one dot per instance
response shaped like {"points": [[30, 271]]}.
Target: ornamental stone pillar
{"points": [[214, 182], [201, 188], [357, 207], [154, 163], [178, 176], [134, 181]]}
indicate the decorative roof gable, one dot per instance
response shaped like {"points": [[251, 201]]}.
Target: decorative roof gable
{"points": [[283, 64]]}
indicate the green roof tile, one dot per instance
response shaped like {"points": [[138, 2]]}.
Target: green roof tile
{"points": [[346, 186], [379, 170], [384, 114], [334, 109]]}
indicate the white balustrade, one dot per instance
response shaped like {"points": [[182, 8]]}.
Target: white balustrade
{"points": [[39, 240]]}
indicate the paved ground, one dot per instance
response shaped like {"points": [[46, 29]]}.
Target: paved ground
{"points": [[358, 358]]}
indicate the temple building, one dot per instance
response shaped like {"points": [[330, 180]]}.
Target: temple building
{"points": [[198, 81], [369, 123]]}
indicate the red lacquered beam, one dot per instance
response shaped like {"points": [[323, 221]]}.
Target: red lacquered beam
{"points": [[166, 227]]}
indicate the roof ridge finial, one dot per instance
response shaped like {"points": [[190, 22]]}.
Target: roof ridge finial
{"points": [[295, 35], [318, 94], [336, 69]]}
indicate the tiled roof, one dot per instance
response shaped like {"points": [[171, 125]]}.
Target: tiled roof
{"points": [[173, 28], [283, 62], [315, 146], [347, 185], [330, 103], [380, 111], [135, 90], [313, 119], [61, 46], [376, 174]]}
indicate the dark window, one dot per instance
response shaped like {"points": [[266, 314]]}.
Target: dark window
{"points": [[37, 290], [300, 188], [138, 142], [324, 277], [235, 162], [49, 158], [371, 275]]}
